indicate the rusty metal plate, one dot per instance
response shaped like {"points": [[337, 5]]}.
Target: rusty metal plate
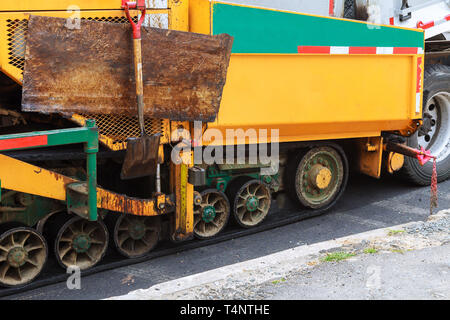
{"points": [[90, 70]]}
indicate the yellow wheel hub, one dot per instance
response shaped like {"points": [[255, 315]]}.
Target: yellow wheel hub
{"points": [[320, 176]]}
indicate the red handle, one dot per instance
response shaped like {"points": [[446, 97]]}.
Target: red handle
{"points": [[140, 5]]}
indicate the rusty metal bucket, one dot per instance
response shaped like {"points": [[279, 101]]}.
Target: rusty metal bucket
{"points": [[89, 70]]}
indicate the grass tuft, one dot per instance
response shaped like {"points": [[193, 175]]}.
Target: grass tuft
{"points": [[394, 232], [338, 256], [370, 250], [278, 281]]}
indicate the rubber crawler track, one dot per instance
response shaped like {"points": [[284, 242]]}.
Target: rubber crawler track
{"points": [[53, 274]]}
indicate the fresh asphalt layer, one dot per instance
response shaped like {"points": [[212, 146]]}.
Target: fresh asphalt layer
{"points": [[368, 204]]}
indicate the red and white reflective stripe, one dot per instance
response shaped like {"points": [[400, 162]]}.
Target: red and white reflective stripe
{"points": [[419, 83], [431, 24], [26, 142], [358, 50]]}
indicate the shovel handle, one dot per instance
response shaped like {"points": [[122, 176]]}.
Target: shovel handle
{"points": [[139, 82], [137, 54]]}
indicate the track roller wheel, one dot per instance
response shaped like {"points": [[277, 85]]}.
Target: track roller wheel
{"points": [[23, 254], [136, 236], [251, 200], [81, 243], [212, 214], [319, 177]]}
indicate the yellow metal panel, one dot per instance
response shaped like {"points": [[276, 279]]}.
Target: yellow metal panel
{"points": [[313, 97], [370, 153], [200, 16], [34, 5], [23, 177], [179, 19]]}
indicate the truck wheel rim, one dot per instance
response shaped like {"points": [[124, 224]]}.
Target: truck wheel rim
{"points": [[23, 254], [81, 243], [211, 216], [319, 177], [252, 203], [136, 236], [438, 139]]}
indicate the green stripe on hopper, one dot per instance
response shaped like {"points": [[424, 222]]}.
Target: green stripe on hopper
{"points": [[268, 31]]}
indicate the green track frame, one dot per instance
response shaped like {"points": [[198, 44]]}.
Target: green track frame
{"points": [[88, 135]]}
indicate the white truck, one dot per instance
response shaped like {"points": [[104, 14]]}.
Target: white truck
{"points": [[434, 17]]}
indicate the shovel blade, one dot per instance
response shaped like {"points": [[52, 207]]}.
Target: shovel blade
{"points": [[141, 158]]}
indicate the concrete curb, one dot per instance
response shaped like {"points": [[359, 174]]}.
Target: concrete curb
{"points": [[255, 271]]}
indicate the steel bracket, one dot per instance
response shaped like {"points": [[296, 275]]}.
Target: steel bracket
{"points": [[77, 199]]}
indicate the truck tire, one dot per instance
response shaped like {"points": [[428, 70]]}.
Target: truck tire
{"points": [[436, 111]]}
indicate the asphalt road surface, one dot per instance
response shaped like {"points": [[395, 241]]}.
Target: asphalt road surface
{"points": [[368, 204]]}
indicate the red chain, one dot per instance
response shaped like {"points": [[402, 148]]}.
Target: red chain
{"points": [[434, 194]]}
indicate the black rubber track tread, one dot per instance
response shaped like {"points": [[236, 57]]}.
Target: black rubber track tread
{"points": [[410, 171], [290, 173], [275, 219], [55, 274]]}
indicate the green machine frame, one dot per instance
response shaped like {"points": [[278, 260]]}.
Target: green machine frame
{"points": [[88, 135]]}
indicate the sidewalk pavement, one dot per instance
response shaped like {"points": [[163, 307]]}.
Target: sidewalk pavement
{"points": [[410, 261]]}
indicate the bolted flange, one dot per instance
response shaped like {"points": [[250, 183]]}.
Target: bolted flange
{"points": [[17, 257], [136, 230], [209, 213], [252, 203], [320, 176], [81, 243]]}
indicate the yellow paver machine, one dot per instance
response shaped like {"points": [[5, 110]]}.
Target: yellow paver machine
{"points": [[246, 102]]}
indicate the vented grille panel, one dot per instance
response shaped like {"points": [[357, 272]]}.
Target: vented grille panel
{"points": [[110, 19], [119, 128], [16, 32]]}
